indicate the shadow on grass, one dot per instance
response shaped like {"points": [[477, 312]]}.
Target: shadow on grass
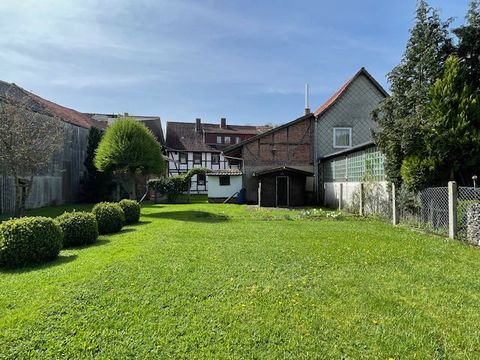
{"points": [[100, 242], [193, 216], [60, 260], [141, 222]]}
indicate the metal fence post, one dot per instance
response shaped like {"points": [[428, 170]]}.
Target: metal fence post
{"points": [[394, 205], [340, 200], [362, 200], [452, 209]]}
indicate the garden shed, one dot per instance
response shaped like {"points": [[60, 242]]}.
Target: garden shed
{"points": [[224, 185], [284, 186]]}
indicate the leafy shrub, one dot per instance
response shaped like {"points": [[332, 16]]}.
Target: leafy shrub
{"points": [[173, 186], [110, 217], [79, 228], [417, 172], [29, 240], [131, 209]]}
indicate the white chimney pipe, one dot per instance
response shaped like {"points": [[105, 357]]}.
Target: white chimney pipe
{"points": [[307, 107]]}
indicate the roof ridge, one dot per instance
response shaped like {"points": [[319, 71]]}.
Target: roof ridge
{"points": [[334, 98]]}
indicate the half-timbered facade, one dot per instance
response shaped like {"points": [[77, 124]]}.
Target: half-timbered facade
{"points": [[192, 145]]}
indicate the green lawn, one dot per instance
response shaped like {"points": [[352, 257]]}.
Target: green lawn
{"points": [[221, 281]]}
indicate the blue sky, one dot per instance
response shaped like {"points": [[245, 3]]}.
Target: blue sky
{"points": [[245, 60]]}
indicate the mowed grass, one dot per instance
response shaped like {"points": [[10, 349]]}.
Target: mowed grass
{"points": [[223, 281]]}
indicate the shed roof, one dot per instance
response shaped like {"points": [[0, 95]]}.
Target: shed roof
{"points": [[225, 172], [349, 150], [17, 95]]}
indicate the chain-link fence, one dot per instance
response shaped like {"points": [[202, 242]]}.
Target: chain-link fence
{"points": [[467, 198], [427, 210]]}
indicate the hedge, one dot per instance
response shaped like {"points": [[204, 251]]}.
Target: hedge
{"points": [[131, 209], [79, 228], [110, 217], [29, 240]]}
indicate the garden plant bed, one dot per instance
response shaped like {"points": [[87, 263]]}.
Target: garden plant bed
{"points": [[203, 280]]}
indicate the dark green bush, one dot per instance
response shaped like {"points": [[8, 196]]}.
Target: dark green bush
{"points": [[79, 228], [29, 240], [110, 217], [131, 209]]}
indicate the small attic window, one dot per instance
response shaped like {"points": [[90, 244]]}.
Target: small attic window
{"points": [[342, 138]]}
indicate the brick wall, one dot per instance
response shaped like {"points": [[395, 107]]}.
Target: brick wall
{"points": [[289, 146]]}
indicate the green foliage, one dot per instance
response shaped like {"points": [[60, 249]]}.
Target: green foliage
{"points": [[173, 186], [110, 217], [95, 185], [29, 240], [452, 130], [401, 115], [468, 48], [129, 145], [79, 228], [417, 172], [131, 209]]}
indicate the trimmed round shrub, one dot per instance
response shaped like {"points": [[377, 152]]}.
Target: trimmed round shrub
{"points": [[110, 217], [29, 240], [79, 228], [131, 209]]}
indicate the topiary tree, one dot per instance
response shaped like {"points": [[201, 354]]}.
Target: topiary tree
{"points": [[79, 228], [131, 209], [110, 217], [129, 147], [29, 240]]}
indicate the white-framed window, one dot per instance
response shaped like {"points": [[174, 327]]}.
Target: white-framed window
{"points": [[238, 139], [215, 158], [201, 179], [224, 180], [197, 158], [183, 158], [226, 139], [342, 137], [219, 139]]}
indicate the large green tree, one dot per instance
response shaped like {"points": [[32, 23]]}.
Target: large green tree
{"points": [[468, 47], [129, 147], [96, 183], [402, 115], [453, 123]]}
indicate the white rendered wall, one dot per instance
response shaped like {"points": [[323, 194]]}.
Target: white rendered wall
{"points": [[332, 193], [225, 191]]}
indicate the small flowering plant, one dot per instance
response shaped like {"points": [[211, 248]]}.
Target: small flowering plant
{"points": [[319, 214]]}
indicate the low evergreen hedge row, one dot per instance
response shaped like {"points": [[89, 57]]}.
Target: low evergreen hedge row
{"points": [[131, 209], [110, 217], [79, 228], [29, 240]]}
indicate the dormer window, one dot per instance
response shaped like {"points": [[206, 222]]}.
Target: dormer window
{"points": [[342, 138], [219, 139], [227, 139]]}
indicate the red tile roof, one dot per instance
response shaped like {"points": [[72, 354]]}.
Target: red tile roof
{"points": [[16, 94]]}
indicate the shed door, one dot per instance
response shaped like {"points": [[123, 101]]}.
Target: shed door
{"points": [[282, 191]]}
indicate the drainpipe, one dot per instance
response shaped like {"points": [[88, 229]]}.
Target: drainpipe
{"points": [[316, 172]]}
